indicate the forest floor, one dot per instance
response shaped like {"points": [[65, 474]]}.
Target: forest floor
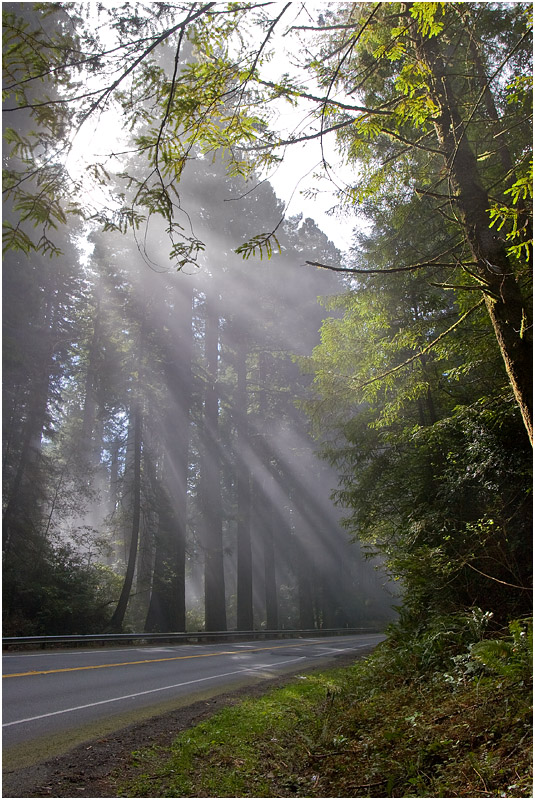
{"points": [[351, 731]]}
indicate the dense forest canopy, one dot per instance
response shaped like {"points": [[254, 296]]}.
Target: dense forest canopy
{"points": [[161, 314]]}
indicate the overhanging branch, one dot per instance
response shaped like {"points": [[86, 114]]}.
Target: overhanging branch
{"points": [[388, 271]]}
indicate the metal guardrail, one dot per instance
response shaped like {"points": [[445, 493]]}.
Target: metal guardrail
{"points": [[186, 637]]}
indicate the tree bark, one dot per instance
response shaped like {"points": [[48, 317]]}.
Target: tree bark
{"points": [[266, 513], [270, 577], [117, 620], [90, 451], [167, 607]]}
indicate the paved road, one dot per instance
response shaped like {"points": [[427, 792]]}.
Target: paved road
{"points": [[53, 693]]}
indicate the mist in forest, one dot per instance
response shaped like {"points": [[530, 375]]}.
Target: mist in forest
{"points": [[159, 473], [168, 448]]}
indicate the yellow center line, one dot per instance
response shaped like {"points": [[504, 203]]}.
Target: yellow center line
{"points": [[152, 660]]}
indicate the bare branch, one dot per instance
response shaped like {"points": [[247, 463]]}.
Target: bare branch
{"points": [[306, 138], [463, 287], [497, 580], [387, 271], [79, 63], [165, 35], [329, 101], [261, 48], [336, 72]]}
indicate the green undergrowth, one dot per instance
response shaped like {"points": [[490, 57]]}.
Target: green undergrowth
{"points": [[387, 726]]}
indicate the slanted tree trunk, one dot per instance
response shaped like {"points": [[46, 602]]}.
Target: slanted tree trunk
{"points": [[503, 298]]}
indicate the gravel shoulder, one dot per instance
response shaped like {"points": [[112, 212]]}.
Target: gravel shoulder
{"points": [[89, 769]]}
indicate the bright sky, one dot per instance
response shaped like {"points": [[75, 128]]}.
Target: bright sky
{"points": [[296, 175], [290, 180]]}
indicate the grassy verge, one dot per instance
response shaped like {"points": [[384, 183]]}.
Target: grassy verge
{"points": [[362, 731]]}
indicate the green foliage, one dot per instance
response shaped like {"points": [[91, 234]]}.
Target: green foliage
{"points": [[426, 647], [515, 218], [406, 403], [509, 657], [426, 14], [262, 243], [57, 593], [413, 405], [428, 469]]}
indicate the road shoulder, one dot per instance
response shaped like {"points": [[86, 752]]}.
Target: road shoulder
{"points": [[87, 770]]}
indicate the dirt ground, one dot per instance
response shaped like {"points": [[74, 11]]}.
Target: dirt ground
{"points": [[89, 769]]}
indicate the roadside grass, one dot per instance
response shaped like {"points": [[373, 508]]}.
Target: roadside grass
{"points": [[363, 731]]}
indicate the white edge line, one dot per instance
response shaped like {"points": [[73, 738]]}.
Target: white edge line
{"points": [[150, 691]]}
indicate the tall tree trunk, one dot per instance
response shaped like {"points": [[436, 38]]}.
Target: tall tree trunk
{"points": [[117, 620], [243, 491], [90, 451], [146, 544], [270, 577], [214, 576], [114, 477], [267, 514], [167, 609], [503, 299], [25, 494], [486, 93], [303, 573]]}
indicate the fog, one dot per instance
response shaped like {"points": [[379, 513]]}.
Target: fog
{"points": [[153, 428], [248, 319], [174, 413]]}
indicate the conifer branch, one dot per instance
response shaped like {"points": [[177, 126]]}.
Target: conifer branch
{"points": [[425, 350]]}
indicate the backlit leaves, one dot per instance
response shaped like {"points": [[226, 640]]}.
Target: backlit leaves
{"points": [[515, 220], [427, 15], [261, 244]]}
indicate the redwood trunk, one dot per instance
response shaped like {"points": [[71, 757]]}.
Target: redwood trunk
{"points": [[116, 622], [215, 618], [244, 590]]}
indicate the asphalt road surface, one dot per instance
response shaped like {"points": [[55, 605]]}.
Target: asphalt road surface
{"points": [[56, 693]]}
